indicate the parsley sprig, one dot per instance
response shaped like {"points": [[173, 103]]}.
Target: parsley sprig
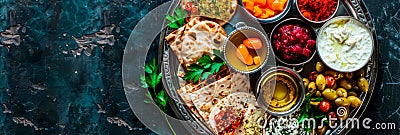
{"points": [[308, 111], [177, 19], [204, 67], [151, 80]]}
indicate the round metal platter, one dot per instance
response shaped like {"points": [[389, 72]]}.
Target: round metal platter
{"points": [[170, 65]]}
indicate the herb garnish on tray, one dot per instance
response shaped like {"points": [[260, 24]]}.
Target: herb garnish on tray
{"points": [[309, 111], [204, 67], [151, 80], [177, 19]]}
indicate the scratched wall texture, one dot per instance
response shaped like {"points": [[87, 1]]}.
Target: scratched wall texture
{"points": [[60, 66]]}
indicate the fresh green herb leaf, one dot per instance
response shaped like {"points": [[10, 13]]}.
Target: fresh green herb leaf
{"points": [[148, 95], [320, 116], [207, 66], [179, 12], [194, 75], [148, 69], [215, 68], [174, 26], [308, 106], [181, 22], [308, 129], [143, 81], [177, 20], [206, 59], [170, 18], [151, 80], [162, 97], [317, 99], [218, 53], [204, 67], [147, 101], [205, 75]]}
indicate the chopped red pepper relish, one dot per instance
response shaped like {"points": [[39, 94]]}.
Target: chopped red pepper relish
{"points": [[317, 10]]}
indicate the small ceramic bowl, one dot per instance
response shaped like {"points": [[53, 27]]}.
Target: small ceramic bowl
{"points": [[235, 38], [274, 18], [316, 22], [280, 91], [298, 61]]}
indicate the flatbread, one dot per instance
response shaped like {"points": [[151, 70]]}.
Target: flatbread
{"points": [[195, 39], [175, 36], [209, 96], [204, 98], [240, 101]]}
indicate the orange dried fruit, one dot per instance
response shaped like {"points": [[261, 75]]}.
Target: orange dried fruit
{"points": [[270, 12], [261, 2], [270, 2], [275, 5], [281, 5], [248, 4], [267, 13], [257, 11]]}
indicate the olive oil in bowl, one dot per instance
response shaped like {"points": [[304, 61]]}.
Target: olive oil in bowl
{"points": [[280, 91]]}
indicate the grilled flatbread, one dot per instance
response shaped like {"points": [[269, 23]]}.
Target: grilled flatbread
{"points": [[195, 39], [176, 36], [241, 102], [204, 98]]}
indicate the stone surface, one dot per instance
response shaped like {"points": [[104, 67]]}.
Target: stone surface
{"points": [[60, 66]]}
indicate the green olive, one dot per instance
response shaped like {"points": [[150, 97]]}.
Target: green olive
{"points": [[335, 74], [363, 84], [312, 87], [329, 94], [342, 101], [320, 82], [355, 101], [321, 131], [314, 103], [345, 84], [318, 94], [361, 73], [352, 93], [348, 75], [306, 82], [320, 67], [341, 92], [345, 115]]}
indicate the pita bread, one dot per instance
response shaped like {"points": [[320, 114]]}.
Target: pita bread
{"points": [[239, 101], [204, 98], [195, 39], [175, 36]]}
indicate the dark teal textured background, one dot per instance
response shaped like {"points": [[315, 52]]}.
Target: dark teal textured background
{"points": [[59, 74], [43, 79]]}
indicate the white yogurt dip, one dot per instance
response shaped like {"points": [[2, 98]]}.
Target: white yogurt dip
{"points": [[345, 44]]}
